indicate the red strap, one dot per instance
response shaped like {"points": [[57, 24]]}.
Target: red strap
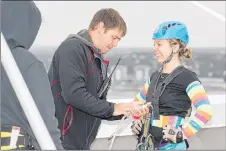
{"points": [[106, 62], [55, 82]]}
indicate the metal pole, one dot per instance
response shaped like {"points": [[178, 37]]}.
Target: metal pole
{"points": [[26, 100]]}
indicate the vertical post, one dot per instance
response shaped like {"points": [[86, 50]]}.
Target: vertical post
{"points": [[26, 100]]}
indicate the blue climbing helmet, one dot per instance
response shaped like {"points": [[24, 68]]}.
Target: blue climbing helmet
{"points": [[172, 30]]}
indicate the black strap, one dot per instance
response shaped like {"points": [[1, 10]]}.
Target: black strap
{"points": [[155, 90]]}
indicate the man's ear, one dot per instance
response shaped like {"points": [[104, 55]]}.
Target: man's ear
{"points": [[100, 27]]}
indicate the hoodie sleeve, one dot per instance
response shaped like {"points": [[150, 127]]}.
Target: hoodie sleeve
{"points": [[38, 84], [72, 73]]}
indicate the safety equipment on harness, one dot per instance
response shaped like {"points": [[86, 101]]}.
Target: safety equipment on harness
{"points": [[123, 122], [145, 142], [14, 138], [172, 30], [102, 93], [155, 90], [173, 134]]}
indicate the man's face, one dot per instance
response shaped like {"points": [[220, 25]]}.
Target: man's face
{"points": [[108, 39]]}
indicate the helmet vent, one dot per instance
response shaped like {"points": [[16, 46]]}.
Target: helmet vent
{"points": [[165, 27], [169, 25]]}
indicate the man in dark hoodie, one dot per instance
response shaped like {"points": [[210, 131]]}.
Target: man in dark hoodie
{"points": [[20, 22], [76, 74]]}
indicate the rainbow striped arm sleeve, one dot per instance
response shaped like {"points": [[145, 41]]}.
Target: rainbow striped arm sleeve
{"points": [[199, 98], [141, 96]]}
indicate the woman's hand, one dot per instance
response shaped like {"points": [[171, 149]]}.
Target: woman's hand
{"points": [[173, 134]]}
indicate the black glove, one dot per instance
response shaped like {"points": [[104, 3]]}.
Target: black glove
{"points": [[137, 126]]}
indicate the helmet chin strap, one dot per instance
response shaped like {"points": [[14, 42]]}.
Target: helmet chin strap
{"points": [[169, 58]]}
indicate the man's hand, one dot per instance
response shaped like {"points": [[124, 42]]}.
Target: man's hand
{"points": [[140, 111], [137, 125], [173, 134], [123, 109]]}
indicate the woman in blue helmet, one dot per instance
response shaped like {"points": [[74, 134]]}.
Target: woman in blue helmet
{"points": [[171, 101]]}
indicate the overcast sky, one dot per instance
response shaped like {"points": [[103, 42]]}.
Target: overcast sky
{"points": [[63, 18]]}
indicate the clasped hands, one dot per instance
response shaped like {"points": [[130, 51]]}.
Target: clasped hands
{"points": [[133, 109]]}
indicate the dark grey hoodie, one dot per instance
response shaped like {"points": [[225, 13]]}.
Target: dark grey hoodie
{"points": [[20, 22]]}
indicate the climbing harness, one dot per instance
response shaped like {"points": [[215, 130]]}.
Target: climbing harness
{"points": [[155, 90]]}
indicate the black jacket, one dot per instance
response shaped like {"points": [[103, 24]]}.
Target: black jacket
{"points": [[76, 73], [20, 25]]}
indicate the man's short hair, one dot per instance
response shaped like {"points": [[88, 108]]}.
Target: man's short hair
{"points": [[111, 19]]}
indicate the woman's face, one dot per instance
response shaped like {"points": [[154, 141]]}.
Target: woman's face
{"points": [[162, 49]]}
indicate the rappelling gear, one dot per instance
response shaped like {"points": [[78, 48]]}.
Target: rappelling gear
{"points": [[154, 93], [146, 140], [155, 90], [123, 122]]}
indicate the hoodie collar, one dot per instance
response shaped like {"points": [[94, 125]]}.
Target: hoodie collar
{"points": [[87, 39], [84, 36]]}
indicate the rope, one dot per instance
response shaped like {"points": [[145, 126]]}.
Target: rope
{"points": [[122, 123]]}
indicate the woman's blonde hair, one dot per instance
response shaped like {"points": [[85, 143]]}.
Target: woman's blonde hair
{"points": [[184, 50]]}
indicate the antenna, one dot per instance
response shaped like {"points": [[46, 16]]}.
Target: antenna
{"points": [[115, 67], [125, 56]]}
